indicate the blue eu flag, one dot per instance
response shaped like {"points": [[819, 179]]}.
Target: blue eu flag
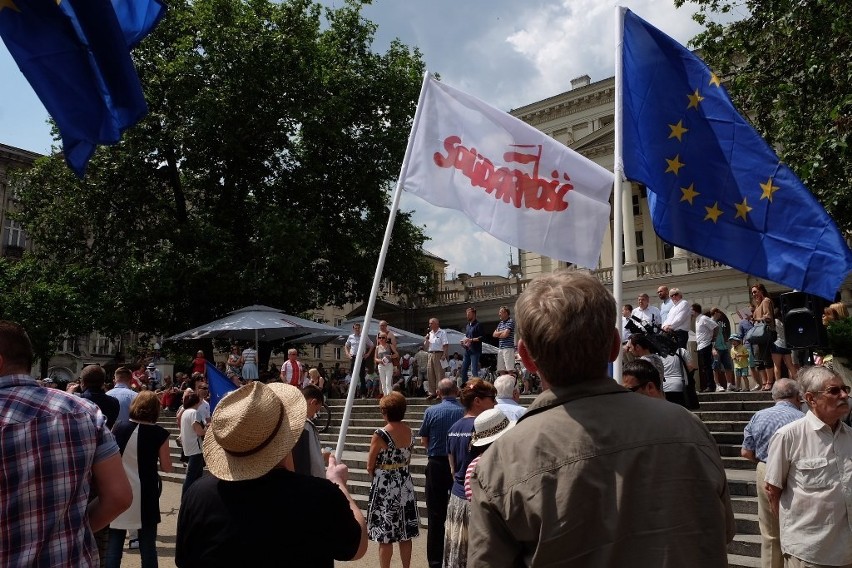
{"points": [[220, 385], [715, 187], [76, 56]]}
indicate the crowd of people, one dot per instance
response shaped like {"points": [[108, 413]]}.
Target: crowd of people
{"points": [[562, 482]]}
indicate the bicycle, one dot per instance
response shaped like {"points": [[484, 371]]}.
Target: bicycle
{"points": [[322, 420]]}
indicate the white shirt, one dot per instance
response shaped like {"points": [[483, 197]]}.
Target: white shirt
{"points": [[625, 333], [665, 307], [813, 466], [510, 408], [190, 441], [649, 315], [352, 343], [437, 340], [704, 327], [679, 315], [675, 376]]}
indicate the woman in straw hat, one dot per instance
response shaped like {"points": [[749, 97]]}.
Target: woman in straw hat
{"points": [[477, 396], [251, 510], [392, 510], [487, 427]]}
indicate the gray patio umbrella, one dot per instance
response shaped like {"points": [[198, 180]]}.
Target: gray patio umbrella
{"points": [[258, 323], [405, 340]]}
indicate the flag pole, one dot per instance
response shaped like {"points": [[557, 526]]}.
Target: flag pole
{"points": [[618, 193], [371, 303]]}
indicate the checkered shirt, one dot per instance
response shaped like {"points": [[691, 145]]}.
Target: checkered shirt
{"points": [[49, 441], [759, 430]]}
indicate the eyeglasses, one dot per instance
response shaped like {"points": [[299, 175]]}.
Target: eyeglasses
{"points": [[835, 390], [383, 337]]}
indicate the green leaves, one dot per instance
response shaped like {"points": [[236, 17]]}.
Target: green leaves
{"points": [[261, 174]]}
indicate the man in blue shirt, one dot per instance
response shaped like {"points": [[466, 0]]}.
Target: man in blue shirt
{"points": [[439, 480], [505, 333], [123, 393], [758, 432], [472, 344]]}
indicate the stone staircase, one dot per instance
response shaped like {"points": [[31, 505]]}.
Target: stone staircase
{"points": [[725, 414]]}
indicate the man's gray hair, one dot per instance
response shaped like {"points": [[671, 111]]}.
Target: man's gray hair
{"points": [[812, 379], [785, 388], [446, 387], [505, 385]]}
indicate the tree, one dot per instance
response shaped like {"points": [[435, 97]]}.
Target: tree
{"points": [[789, 65], [50, 306], [260, 175]]}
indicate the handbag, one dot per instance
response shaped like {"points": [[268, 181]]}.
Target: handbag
{"points": [[761, 334]]}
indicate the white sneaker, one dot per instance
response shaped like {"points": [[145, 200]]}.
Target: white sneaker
{"points": [[720, 389]]}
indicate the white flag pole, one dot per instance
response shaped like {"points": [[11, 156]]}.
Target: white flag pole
{"points": [[371, 304], [618, 176]]}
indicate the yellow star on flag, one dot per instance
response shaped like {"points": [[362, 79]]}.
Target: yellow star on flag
{"points": [[8, 4], [768, 189], [689, 193], [694, 99], [742, 209], [714, 80], [713, 212], [674, 165], [677, 130]]}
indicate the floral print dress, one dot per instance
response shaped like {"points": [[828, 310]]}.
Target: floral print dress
{"points": [[392, 512]]}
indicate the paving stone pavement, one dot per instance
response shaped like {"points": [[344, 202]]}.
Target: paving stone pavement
{"points": [[170, 504]]}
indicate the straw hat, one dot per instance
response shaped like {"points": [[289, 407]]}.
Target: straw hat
{"points": [[490, 425], [253, 429]]}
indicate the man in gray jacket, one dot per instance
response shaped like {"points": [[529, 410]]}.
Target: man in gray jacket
{"points": [[593, 474]]}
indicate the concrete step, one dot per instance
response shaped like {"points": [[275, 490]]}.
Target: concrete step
{"points": [[747, 545]]}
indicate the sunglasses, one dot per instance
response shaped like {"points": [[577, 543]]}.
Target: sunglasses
{"points": [[383, 337], [636, 388], [835, 390]]}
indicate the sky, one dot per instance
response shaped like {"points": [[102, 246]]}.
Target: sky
{"points": [[507, 53]]}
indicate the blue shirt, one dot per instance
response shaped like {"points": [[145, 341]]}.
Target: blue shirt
{"points": [[474, 331], [458, 445], [125, 395], [437, 422], [759, 430], [507, 342]]}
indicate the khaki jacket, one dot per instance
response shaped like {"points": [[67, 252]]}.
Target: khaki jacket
{"points": [[593, 476]]}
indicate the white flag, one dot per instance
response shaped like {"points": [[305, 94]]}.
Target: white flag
{"points": [[517, 183]]}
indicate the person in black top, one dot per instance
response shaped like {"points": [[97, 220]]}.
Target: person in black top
{"points": [[472, 344], [254, 510], [92, 379]]}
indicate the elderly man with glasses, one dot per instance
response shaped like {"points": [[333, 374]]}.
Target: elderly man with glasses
{"points": [[809, 475], [679, 318]]}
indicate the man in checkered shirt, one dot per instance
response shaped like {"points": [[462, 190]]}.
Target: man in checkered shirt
{"points": [[55, 449]]}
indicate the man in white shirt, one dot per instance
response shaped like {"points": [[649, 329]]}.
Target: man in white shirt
{"points": [[648, 315], [678, 319], [291, 369], [705, 334], [508, 396], [808, 475], [437, 344], [665, 302], [351, 349]]}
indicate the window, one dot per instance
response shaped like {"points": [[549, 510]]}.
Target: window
{"points": [[13, 234], [102, 345], [668, 250], [317, 352], [338, 322], [338, 353], [640, 245], [637, 208]]}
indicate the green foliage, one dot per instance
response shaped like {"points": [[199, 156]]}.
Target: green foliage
{"points": [[51, 306], [789, 66], [261, 174], [840, 338]]}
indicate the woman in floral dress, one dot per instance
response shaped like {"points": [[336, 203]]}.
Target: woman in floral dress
{"points": [[392, 511]]}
